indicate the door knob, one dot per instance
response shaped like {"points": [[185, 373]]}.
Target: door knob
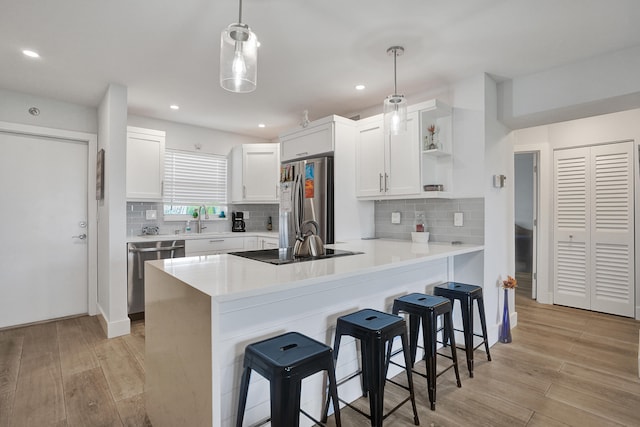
{"points": [[81, 237]]}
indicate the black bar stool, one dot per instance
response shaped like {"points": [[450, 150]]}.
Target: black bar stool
{"points": [[375, 330], [427, 308], [285, 361], [466, 294]]}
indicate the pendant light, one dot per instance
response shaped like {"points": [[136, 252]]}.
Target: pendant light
{"points": [[395, 106], [238, 57]]}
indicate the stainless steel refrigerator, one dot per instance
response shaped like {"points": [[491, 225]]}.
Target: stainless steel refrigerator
{"points": [[306, 194]]}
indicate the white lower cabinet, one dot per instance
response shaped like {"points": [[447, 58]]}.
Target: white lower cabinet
{"points": [[251, 243], [213, 245], [268, 243]]}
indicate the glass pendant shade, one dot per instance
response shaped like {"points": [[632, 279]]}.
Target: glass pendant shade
{"points": [[395, 114], [395, 106], [238, 59]]}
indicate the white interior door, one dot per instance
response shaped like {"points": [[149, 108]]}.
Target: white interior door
{"points": [[594, 258], [612, 229], [43, 185], [572, 208]]}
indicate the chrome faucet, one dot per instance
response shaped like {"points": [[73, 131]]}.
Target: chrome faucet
{"points": [[202, 210]]}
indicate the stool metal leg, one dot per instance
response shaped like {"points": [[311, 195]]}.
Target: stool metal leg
{"points": [[244, 389], [407, 359], [483, 323], [333, 393], [376, 381], [285, 413], [428, 334], [448, 325], [467, 322]]}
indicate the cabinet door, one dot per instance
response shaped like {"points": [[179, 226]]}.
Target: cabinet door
{"points": [[370, 148], [261, 170], [403, 160], [145, 164], [308, 142]]}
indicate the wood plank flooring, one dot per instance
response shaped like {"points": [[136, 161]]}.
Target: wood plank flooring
{"points": [[565, 367]]}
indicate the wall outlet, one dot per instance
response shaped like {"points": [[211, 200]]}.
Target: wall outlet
{"points": [[246, 214], [458, 219], [395, 217], [152, 214]]}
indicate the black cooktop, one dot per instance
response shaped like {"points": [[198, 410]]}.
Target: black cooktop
{"points": [[285, 256]]}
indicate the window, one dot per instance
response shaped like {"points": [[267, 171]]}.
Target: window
{"points": [[192, 180]]}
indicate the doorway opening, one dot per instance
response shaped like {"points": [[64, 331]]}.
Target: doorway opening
{"points": [[525, 217]]}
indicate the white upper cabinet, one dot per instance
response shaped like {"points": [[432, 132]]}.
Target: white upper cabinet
{"points": [[145, 163], [255, 173], [387, 166], [415, 164], [319, 137]]}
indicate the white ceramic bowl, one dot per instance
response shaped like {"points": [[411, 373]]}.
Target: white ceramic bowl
{"points": [[419, 237]]}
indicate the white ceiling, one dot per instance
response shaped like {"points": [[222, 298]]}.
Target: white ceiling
{"points": [[312, 54]]}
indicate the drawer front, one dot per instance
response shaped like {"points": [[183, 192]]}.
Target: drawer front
{"points": [[213, 245]]}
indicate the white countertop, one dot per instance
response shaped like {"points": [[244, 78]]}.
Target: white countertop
{"points": [[191, 236], [228, 277]]}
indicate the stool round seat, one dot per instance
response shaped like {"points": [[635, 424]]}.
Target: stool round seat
{"points": [[427, 308], [285, 361], [375, 330], [466, 294]]}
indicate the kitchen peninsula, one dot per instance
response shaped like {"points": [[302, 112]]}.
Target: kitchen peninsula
{"points": [[201, 312]]}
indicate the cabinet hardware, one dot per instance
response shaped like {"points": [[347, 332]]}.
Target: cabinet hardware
{"points": [[381, 190], [81, 237], [216, 241], [244, 191], [302, 154], [386, 182]]}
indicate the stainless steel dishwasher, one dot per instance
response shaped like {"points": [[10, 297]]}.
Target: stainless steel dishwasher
{"points": [[140, 252]]}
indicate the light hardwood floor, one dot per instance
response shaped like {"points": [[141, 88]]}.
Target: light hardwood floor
{"points": [[564, 367]]}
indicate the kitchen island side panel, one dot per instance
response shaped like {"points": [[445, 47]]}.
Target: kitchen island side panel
{"points": [[313, 311], [178, 348]]}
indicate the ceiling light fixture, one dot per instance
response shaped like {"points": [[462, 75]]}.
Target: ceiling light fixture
{"points": [[262, 125], [360, 87], [30, 53], [174, 107], [395, 106], [238, 57]]}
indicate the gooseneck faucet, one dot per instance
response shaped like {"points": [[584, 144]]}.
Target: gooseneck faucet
{"points": [[202, 210]]}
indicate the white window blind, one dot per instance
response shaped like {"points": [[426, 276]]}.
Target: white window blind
{"points": [[194, 178]]}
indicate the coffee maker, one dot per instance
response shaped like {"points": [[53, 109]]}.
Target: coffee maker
{"points": [[237, 221]]}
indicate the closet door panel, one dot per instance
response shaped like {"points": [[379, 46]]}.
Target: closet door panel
{"points": [[571, 235], [612, 229]]}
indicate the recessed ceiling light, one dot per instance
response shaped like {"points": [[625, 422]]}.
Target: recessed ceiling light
{"points": [[174, 107], [30, 53], [262, 125], [360, 87]]}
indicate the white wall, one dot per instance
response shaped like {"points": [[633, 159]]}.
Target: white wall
{"points": [[184, 137], [606, 128], [14, 108], [603, 84], [112, 256]]}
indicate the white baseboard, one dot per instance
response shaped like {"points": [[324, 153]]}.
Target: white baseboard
{"points": [[114, 329]]}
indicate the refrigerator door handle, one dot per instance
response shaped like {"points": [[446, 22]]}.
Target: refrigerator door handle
{"points": [[297, 208]]}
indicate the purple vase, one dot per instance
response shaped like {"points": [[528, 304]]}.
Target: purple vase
{"points": [[505, 327]]}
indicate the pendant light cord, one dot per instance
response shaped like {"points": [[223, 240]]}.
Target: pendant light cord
{"points": [[240, 13], [395, 79]]}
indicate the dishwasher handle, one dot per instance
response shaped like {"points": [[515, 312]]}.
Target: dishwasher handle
{"points": [[164, 249]]}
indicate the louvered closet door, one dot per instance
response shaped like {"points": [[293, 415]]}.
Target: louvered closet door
{"points": [[612, 229], [571, 237], [594, 229]]}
